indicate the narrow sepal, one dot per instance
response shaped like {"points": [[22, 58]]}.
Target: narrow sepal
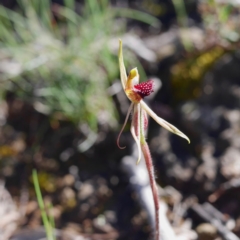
{"points": [[123, 73], [162, 122]]}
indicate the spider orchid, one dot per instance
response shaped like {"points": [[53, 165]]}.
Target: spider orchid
{"points": [[136, 91]]}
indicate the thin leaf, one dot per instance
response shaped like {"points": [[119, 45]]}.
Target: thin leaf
{"points": [[45, 9], [138, 15], [46, 223], [70, 4]]}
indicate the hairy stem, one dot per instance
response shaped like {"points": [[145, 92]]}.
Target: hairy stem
{"points": [[150, 169]]}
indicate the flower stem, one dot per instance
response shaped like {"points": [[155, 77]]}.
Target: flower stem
{"points": [[150, 169]]}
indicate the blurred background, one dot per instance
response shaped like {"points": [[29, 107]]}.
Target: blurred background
{"points": [[62, 106]]}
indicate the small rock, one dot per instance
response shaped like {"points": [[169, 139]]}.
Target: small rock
{"points": [[206, 231]]}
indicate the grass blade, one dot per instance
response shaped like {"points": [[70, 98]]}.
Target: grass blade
{"points": [[46, 223]]}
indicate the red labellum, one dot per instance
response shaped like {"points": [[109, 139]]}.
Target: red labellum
{"points": [[144, 89]]}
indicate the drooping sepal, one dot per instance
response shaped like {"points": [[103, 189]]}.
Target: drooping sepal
{"points": [[124, 124], [135, 129], [162, 122]]}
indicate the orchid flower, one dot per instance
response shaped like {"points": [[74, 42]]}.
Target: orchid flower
{"points": [[136, 91]]}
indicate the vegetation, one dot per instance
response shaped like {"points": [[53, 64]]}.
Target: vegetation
{"points": [[60, 60]]}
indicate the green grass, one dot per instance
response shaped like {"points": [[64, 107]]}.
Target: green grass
{"points": [[64, 67], [48, 220]]}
